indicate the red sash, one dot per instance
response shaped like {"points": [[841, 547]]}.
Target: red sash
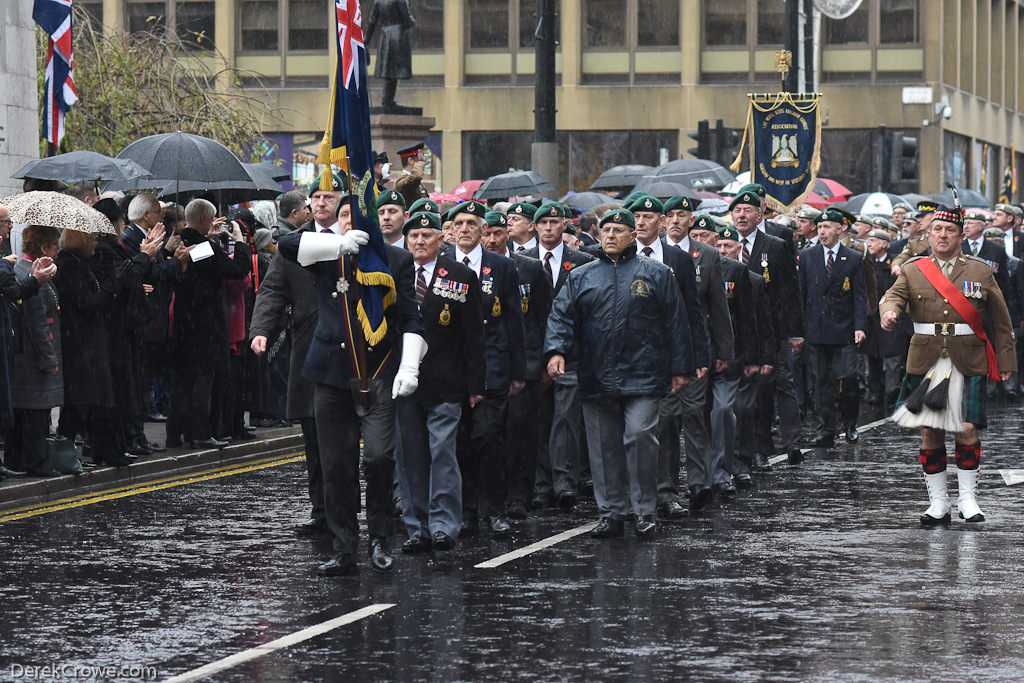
{"points": [[962, 306]]}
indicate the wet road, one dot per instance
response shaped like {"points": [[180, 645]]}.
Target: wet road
{"points": [[820, 573]]}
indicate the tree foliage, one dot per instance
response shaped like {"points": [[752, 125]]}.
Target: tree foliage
{"points": [[131, 85]]}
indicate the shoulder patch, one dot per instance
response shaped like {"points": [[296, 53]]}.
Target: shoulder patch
{"points": [[914, 258]]}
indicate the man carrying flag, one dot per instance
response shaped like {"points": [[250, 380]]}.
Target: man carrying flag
{"points": [[368, 343], [952, 299], [54, 16]]}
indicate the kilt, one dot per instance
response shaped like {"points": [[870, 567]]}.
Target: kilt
{"points": [[974, 401]]}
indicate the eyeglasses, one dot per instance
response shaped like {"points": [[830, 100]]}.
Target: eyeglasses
{"points": [[8, 221]]}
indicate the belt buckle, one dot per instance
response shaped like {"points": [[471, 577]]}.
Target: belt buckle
{"points": [[944, 329]]}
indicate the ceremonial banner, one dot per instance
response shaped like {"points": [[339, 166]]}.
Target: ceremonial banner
{"points": [[347, 144], [1009, 188], [785, 145]]}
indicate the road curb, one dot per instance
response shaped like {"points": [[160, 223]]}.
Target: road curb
{"points": [[32, 490]]}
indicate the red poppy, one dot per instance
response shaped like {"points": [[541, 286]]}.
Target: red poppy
{"points": [[695, 253], [567, 265], [486, 270], [441, 272]]}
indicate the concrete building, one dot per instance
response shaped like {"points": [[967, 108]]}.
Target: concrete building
{"points": [[19, 106], [635, 76]]}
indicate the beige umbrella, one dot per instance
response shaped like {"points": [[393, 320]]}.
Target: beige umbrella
{"points": [[60, 211]]}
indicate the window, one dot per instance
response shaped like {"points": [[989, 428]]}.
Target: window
{"points": [[94, 12], [725, 22], [258, 20], [429, 31], [853, 29], [898, 21], [488, 23], [528, 23], [657, 23], [145, 16], [771, 22], [604, 23], [194, 24], [308, 27]]}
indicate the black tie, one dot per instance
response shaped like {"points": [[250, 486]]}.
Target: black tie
{"points": [[520, 248], [830, 262], [547, 265], [421, 286], [465, 259], [648, 251]]}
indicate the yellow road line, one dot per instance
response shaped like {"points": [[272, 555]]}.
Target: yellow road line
{"points": [[155, 485]]}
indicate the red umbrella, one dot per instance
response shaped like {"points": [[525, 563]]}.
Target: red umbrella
{"points": [[831, 190], [443, 197], [466, 189], [816, 200]]}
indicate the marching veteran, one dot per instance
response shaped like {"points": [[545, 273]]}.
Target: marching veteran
{"points": [[951, 299]]}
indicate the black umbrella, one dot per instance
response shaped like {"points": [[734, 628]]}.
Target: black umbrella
{"points": [[259, 186], [180, 157], [82, 165], [272, 170], [513, 184], [968, 198], [625, 176], [663, 189], [697, 174], [584, 201]]}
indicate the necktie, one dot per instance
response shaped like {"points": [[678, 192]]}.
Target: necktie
{"points": [[520, 248], [677, 247], [947, 269], [326, 230], [976, 247], [465, 259], [421, 286], [547, 265], [830, 262], [648, 251], [745, 252]]}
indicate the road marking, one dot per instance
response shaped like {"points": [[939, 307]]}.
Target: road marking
{"points": [[281, 643], [1012, 476], [534, 547], [776, 459], [155, 485]]}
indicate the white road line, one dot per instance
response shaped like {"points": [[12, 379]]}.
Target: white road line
{"points": [[283, 642], [776, 459], [1012, 476], [534, 547]]}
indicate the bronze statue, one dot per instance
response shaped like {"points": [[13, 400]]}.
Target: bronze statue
{"points": [[394, 55]]}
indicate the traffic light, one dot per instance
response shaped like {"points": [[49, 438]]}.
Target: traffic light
{"points": [[726, 141], [703, 138], [903, 165]]}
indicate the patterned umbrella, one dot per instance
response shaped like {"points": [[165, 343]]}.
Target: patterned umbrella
{"points": [[60, 211]]}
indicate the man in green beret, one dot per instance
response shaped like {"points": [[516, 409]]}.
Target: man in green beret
{"points": [[339, 182], [767, 226], [916, 243], [423, 204], [521, 230], [392, 216]]}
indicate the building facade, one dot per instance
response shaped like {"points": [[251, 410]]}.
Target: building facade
{"points": [[635, 76], [19, 108]]}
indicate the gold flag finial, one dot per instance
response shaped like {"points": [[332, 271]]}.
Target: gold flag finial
{"points": [[783, 64]]}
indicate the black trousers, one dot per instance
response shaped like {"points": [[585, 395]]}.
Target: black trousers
{"points": [[191, 395], [338, 430], [482, 456], [314, 471], [25, 442], [524, 423]]}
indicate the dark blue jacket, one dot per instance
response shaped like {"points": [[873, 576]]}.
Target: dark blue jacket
{"points": [[629, 321], [834, 306], [332, 355], [682, 266]]}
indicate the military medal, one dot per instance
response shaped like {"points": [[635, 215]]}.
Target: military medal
{"points": [[496, 308], [340, 287], [487, 285], [729, 286], [698, 273], [846, 285], [445, 319], [764, 260], [524, 291]]}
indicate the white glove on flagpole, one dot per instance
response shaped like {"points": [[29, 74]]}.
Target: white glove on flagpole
{"points": [[414, 348], [326, 246]]}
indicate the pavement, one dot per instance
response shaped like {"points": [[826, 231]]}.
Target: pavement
{"points": [[821, 572]]}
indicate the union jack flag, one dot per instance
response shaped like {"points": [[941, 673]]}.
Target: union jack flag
{"points": [[59, 91]]}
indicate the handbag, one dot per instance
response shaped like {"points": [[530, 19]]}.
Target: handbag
{"points": [[62, 456]]}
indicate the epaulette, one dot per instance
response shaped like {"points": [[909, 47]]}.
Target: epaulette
{"points": [[972, 257], [914, 258]]}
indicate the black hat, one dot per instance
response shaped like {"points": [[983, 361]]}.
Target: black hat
{"points": [[380, 157], [411, 150], [109, 208], [247, 219]]}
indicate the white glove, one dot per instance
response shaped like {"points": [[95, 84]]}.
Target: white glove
{"points": [[351, 241], [414, 348]]}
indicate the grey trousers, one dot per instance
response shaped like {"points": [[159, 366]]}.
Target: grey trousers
{"points": [[552, 476], [623, 441], [723, 426], [428, 470], [338, 431]]}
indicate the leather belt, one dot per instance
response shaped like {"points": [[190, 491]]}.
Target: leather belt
{"points": [[943, 329]]}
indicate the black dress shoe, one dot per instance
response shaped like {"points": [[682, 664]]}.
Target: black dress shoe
{"points": [[725, 489], [644, 526], [312, 527], [700, 497], [380, 559], [542, 501], [5, 472], [517, 510], [173, 443], [672, 510], [498, 526], [209, 443], [155, 447], [585, 489], [470, 526], [608, 528], [928, 520], [138, 449], [416, 544], [743, 481], [824, 441], [796, 456], [566, 500], [852, 435], [761, 463], [243, 436], [442, 541], [342, 564]]}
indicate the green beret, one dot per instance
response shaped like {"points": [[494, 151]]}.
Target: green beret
{"points": [[631, 197], [727, 232], [880, 234], [522, 209], [620, 216], [496, 218], [681, 203], [834, 214], [472, 207], [423, 204], [390, 197], [745, 197], [421, 219], [337, 183], [550, 210], [756, 188], [705, 223], [647, 203]]}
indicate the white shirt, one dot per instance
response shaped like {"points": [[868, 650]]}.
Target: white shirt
{"points": [[475, 257], [683, 244], [334, 227], [813, 242], [529, 244], [1008, 241], [656, 252], [834, 251], [400, 243], [556, 260]]}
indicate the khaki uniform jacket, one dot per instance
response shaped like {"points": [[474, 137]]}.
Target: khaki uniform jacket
{"points": [[914, 294], [916, 246]]}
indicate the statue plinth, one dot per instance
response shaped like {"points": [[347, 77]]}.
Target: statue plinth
{"points": [[391, 132]]}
